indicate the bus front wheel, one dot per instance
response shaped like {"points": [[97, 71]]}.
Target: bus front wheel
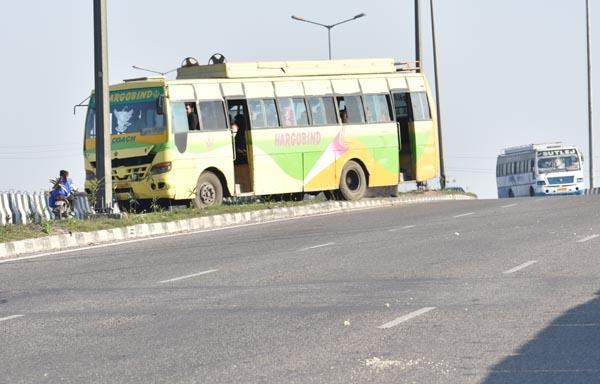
{"points": [[209, 191], [353, 182]]}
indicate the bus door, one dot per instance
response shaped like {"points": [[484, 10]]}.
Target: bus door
{"points": [[406, 132], [419, 153], [237, 109]]}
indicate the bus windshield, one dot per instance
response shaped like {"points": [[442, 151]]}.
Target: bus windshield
{"points": [[558, 164], [132, 111]]}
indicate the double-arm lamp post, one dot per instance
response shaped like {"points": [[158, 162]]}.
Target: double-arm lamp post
{"points": [[329, 27]]}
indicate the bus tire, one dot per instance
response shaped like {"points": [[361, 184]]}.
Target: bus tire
{"points": [[353, 182], [511, 193], [209, 191], [531, 192]]}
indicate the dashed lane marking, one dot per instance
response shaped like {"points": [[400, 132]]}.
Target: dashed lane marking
{"points": [[519, 267], [464, 214], [508, 205], [405, 227], [10, 317], [315, 246], [588, 238], [188, 276], [404, 318]]}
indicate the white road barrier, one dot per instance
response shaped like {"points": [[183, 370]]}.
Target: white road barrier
{"points": [[25, 208]]}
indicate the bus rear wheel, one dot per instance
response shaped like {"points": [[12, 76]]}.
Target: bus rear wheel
{"points": [[353, 182], [209, 191]]}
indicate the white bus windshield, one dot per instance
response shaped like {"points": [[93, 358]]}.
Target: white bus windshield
{"points": [[558, 164]]}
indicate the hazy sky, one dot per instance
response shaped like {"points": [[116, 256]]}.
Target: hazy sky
{"points": [[511, 72]]}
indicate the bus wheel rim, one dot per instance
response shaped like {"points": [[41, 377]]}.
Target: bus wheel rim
{"points": [[352, 180], [207, 194]]}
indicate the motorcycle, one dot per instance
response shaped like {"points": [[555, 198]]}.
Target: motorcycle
{"points": [[60, 201], [62, 208]]}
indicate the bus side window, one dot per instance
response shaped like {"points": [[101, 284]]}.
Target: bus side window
{"points": [[179, 120], [420, 106], [212, 116], [292, 112], [263, 113], [351, 109], [322, 110], [377, 108]]}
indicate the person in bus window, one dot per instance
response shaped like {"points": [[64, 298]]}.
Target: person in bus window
{"points": [[288, 117], [344, 116], [192, 116]]}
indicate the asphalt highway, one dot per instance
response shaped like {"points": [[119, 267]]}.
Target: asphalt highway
{"points": [[483, 291]]}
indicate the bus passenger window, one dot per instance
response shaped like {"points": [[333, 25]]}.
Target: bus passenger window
{"points": [[351, 107], [377, 109], [212, 115], [263, 113], [292, 112], [322, 110], [420, 106], [179, 120]]}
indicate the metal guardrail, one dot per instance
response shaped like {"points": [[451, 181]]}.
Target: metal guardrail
{"points": [[27, 208]]}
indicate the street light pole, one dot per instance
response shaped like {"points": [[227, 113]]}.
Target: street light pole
{"points": [[437, 98], [328, 26], [589, 93], [418, 36], [103, 128]]}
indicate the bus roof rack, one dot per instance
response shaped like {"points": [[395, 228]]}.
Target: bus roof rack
{"points": [[145, 78], [534, 147], [286, 69], [407, 66]]}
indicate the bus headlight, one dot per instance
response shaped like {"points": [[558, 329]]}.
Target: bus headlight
{"points": [[580, 179], [541, 182], [161, 168]]}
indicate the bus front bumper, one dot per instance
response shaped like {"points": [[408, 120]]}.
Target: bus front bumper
{"points": [[560, 191]]}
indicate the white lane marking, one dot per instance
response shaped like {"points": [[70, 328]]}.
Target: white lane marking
{"points": [[315, 246], [587, 238], [508, 205], [404, 318], [464, 214], [519, 267], [405, 227], [10, 317], [188, 276]]}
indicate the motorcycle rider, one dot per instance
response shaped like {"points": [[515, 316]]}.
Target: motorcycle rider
{"points": [[62, 190]]}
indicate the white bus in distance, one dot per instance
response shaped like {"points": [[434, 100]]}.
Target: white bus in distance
{"points": [[540, 170]]}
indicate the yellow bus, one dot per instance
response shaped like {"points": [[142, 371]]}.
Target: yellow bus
{"points": [[268, 128]]}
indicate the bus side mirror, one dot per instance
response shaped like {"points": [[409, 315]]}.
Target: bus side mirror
{"points": [[160, 105]]}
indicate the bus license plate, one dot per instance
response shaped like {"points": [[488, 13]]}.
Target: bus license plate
{"points": [[561, 189]]}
